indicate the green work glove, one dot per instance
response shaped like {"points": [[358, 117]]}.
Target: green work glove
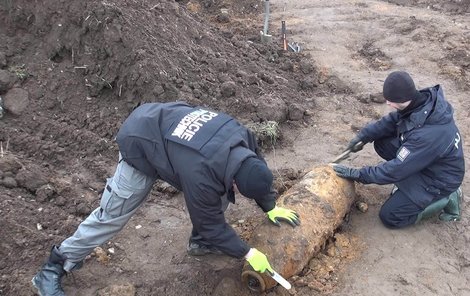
{"points": [[282, 214], [258, 261]]}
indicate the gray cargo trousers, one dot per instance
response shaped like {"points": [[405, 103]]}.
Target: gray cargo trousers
{"points": [[122, 196]]}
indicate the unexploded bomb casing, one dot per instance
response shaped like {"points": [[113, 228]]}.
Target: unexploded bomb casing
{"points": [[322, 199]]}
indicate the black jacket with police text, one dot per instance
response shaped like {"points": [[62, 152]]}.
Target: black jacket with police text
{"points": [[198, 151]]}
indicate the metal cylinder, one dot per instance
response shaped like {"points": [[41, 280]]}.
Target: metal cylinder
{"points": [[1, 108], [266, 17], [322, 200]]}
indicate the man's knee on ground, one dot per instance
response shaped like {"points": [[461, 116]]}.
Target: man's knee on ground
{"points": [[390, 220]]}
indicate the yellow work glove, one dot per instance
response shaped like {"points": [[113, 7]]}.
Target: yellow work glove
{"points": [[282, 214], [258, 261]]}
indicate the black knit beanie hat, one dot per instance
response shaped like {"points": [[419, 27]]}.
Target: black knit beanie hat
{"points": [[399, 88], [253, 178]]}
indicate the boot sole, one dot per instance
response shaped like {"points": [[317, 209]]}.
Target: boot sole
{"points": [[452, 218], [203, 252]]}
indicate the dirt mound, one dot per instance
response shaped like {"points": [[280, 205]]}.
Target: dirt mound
{"points": [[83, 67], [71, 72]]}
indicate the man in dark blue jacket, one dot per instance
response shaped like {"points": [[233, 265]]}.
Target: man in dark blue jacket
{"points": [[208, 155], [423, 154]]}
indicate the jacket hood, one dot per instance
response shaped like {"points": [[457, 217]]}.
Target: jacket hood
{"points": [[442, 112], [434, 111]]}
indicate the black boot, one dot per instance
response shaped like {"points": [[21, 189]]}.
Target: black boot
{"points": [[48, 280], [199, 247]]}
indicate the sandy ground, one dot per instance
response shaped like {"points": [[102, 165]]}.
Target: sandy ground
{"points": [[431, 258], [62, 145]]}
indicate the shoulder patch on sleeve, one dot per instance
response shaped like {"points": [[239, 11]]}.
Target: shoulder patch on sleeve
{"points": [[403, 154]]}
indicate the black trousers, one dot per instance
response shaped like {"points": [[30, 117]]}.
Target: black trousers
{"points": [[398, 210], [196, 237]]}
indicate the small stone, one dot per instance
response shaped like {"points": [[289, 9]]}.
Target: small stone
{"points": [[16, 100], [82, 209], [45, 192], [228, 89], [362, 206], [295, 112], [100, 255], [6, 81], [9, 182]]}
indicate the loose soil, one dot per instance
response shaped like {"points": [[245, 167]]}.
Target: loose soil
{"points": [[70, 73]]}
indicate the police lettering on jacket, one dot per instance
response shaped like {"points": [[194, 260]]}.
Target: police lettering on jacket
{"points": [[191, 123]]}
